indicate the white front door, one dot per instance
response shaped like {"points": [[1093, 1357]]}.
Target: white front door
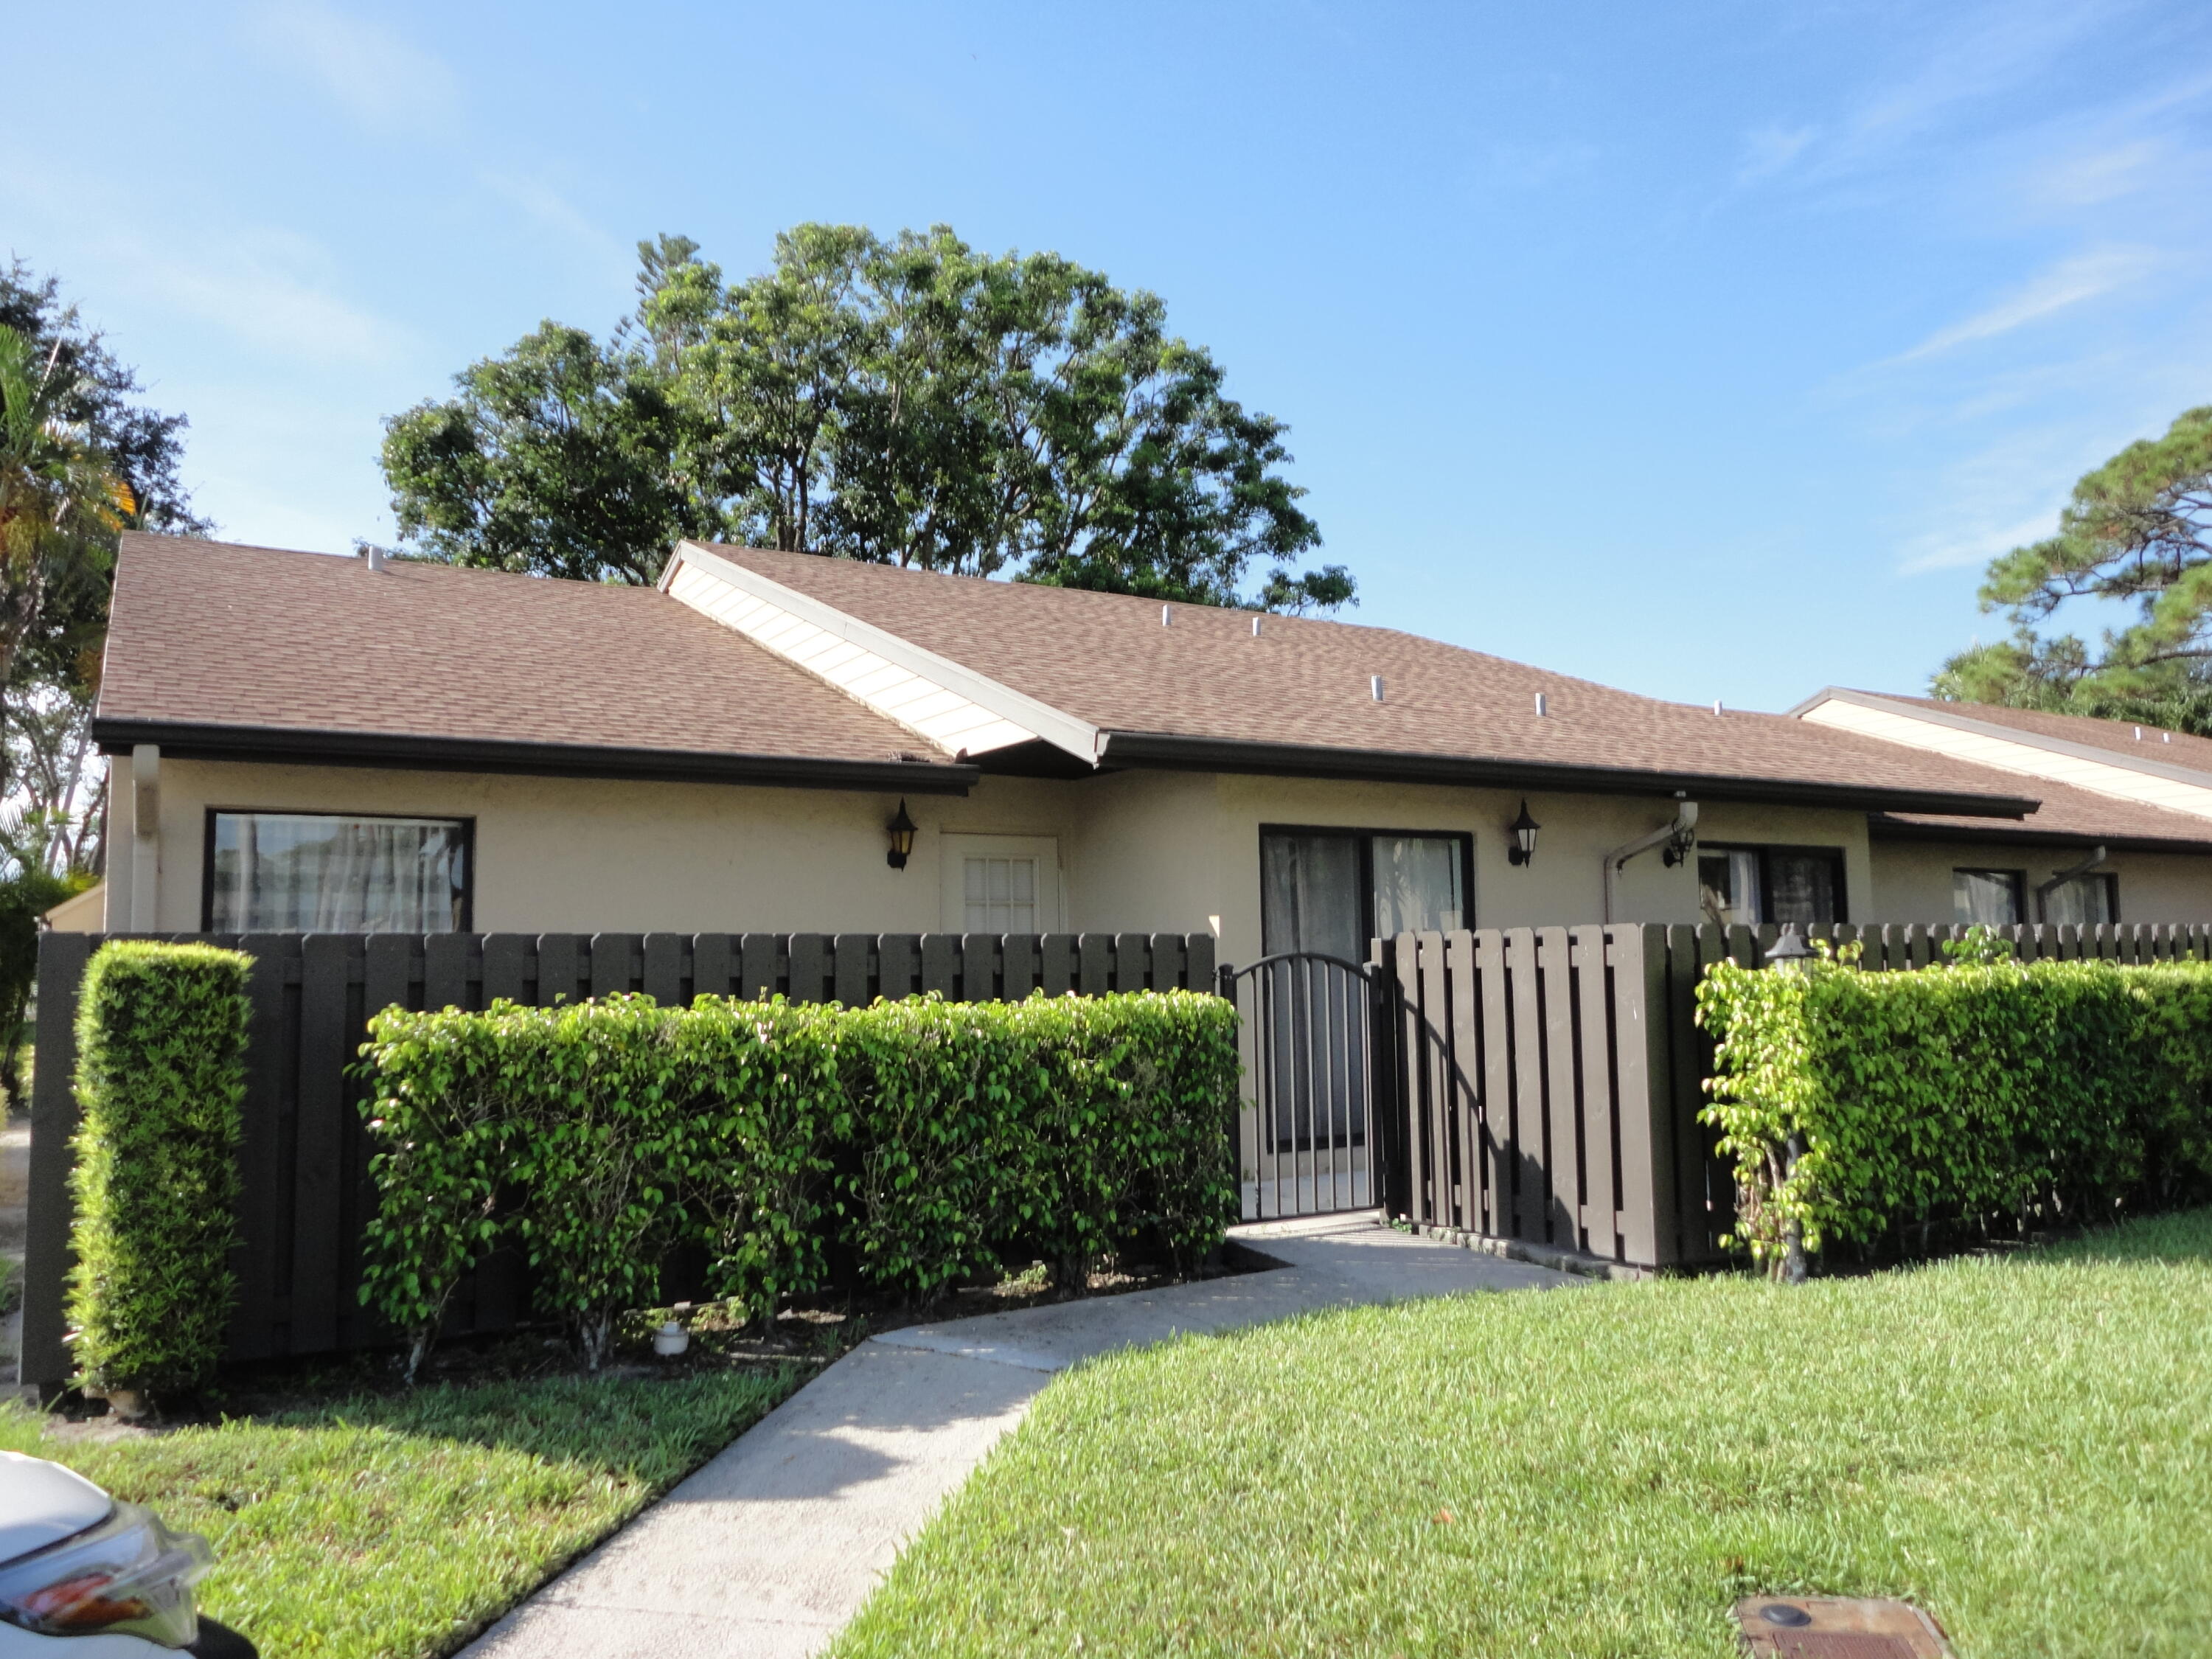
{"points": [[999, 885]]}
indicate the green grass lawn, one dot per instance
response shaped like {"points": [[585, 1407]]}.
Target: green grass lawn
{"points": [[2023, 1446], [392, 1527]]}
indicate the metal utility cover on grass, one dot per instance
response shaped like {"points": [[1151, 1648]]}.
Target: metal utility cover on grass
{"points": [[1829, 1627]]}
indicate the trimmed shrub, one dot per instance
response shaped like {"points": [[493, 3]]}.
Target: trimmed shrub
{"points": [[1854, 1102], [161, 1035], [925, 1142]]}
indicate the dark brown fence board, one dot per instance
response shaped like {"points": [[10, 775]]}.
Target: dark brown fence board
{"points": [[559, 969], [1170, 959], [1132, 962], [850, 976], [1095, 964], [940, 964], [1639, 980], [1599, 1107], [45, 1355], [1056, 959], [1496, 1081], [1021, 965], [760, 973], [809, 955], [325, 1046], [1465, 1104], [1531, 1126], [899, 959], [663, 977], [978, 967], [510, 968], [1563, 1130]]}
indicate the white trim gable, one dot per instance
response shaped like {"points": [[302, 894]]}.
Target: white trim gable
{"points": [[954, 709], [2026, 754]]}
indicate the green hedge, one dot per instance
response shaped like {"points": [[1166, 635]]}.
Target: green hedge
{"points": [[922, 1141], [1852, 1102], [160, 1073]]}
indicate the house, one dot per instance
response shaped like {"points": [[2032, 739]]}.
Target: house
{"points": [[305, 742]]}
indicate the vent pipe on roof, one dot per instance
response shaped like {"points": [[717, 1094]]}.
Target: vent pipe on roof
{"points": [[375, 556], [1539, 705], [1255, 627], [1717, 705], [1163, 616], [1375, 685]]}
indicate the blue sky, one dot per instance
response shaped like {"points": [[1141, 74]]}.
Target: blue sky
{"points": [[1708, 349]]}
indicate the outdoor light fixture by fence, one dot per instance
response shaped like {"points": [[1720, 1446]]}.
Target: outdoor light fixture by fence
{"points": [[1524, 830], [900, 831], [1790, 950]]}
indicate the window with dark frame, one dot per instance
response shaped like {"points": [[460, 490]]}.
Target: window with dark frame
{"points": [[1990, 898], [1332, 891], [1747, 885], [337, 873], [2082, 902]]}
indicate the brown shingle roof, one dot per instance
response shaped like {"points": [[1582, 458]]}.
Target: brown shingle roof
{"points": [[2156, 743], [322, 653], [2066, 814], [1106, 658]]}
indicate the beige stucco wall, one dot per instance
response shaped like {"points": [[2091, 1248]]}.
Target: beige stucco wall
{"points": [[561, 855], [1140, 851], [1912, 878]]}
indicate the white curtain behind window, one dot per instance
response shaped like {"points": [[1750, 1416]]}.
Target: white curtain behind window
{"points": [[1416, 886], [1310, 897], [292, 872], [2083, 900], [1989, 898]]}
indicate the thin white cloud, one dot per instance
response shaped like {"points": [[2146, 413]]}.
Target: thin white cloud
{"points": [[385, 83], [272, 292], [2098, 176], [1974, 542], [541, 202], [1770, 150], [2071, 282]]}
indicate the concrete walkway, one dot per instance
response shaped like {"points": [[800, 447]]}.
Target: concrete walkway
{"points": [[771, 1547]]}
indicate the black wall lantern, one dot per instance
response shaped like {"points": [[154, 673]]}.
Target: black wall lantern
{"points": [[900, 831], [1524, 828]]}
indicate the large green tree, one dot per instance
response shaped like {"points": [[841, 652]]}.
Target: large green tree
{"points": [[2137, 530], [81, 458], [906, 401]]}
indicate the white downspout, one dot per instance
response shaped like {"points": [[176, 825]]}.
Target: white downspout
{"points": [[145, 837], [1682, 830]]}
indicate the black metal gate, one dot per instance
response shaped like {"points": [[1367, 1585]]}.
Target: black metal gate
{"points": [[1308, 1140]]}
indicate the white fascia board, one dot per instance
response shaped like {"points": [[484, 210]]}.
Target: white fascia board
{"points": [[1985, 743], [952, 707]]}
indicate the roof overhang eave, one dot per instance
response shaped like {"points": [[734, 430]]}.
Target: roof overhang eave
{"points": [[302, 745], [1880, 827], [1171, 752]]}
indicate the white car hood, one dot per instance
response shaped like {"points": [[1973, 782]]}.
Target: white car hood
{"points": [[43, 1503]]}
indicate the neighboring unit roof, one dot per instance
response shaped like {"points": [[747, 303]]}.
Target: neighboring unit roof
{"points": [[217, 648], [1203, 691], [2157, 748], [2068, 817]]}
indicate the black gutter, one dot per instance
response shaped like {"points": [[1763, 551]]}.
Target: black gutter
{"points": [[1168, 752], [188, 741], [1886, 828]]}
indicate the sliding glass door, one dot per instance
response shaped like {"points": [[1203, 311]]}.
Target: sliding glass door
{"points": [[1328, 893]]}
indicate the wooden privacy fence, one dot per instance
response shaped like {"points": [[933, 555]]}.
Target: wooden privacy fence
{"points": [[304, 1157], [1544, 1083]]}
